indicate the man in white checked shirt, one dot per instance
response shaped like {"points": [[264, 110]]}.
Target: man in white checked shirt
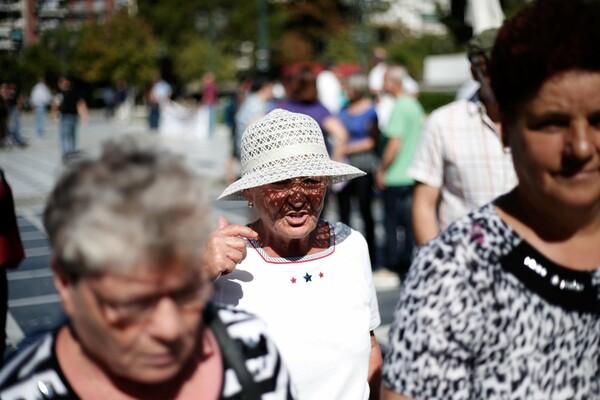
{"points": [[460, 163]]}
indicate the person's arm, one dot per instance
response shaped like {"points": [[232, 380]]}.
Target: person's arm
{"points": [[375, 362], [368, 143], [225, 248], [391, 150], [391, 395], [424, 212], [336, 129], [83, 112], [360, 146], [54, 106]]}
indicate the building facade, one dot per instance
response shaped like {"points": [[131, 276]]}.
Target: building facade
{"points": [[22, 21]]}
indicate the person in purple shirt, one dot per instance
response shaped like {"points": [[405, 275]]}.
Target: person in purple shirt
{"points": [[303, 98]]}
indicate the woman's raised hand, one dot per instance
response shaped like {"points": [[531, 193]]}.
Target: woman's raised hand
{"points": [[226, 248]]}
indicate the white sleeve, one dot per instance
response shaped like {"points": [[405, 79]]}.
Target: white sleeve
{"points": [[375, 317]]}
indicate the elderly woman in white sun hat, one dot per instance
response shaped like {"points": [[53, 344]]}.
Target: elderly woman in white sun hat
{"points": [[309, 279]]}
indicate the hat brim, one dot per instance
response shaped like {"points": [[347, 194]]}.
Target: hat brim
{"points": [[337, 171]]}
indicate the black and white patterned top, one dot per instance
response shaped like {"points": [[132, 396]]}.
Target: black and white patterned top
{"points": [[483, 315], [35, 374]]}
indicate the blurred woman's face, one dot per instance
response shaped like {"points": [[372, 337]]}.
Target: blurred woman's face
{"points": [[142, 327], [555, 141]]}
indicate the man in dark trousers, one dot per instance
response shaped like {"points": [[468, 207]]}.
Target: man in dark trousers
{"points": [[72, 106]]}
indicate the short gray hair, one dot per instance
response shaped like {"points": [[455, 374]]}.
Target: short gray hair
{"points": [[134, 204], [396, 73], [358, 83]]}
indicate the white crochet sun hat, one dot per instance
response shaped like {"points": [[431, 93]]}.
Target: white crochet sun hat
{"points": [[284, 145]]}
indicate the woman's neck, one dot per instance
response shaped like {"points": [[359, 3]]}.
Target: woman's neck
{"points": [[90, 380], [568, 237], [275, 246]]}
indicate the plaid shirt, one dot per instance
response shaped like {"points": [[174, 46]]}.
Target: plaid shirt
{"points": [[461, 153]]}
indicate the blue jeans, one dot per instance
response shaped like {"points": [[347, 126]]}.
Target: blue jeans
{"points": [[153, 116], [398, 219], [68, 133], [14, 126], [212, 120], [40, 118]]}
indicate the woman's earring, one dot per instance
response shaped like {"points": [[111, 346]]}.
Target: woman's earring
{"points": [[250, 204]]}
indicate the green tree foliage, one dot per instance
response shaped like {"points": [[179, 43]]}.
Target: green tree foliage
{"points": [[308, 25], [190, 37], [9, 68], [123, 48], [50, 57], [183, 39], [171, 20], [38, 60], [198, 56], [340, 47]]}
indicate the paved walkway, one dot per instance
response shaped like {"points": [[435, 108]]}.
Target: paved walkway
{"points": [[32, 171]]}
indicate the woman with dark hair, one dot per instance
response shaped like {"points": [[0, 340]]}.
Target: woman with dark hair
{"points": [[303, 98], [506, 302]]}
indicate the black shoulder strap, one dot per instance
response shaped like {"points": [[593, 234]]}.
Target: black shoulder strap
{"points": [[232, 356]]}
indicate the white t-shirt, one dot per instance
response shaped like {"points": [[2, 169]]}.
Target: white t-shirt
{"points": [[376, 77], [40, 95], [161, 91], [329, 90], [319, 310]]}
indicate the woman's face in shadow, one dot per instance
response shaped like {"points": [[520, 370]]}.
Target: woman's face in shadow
{"points": [[555, 140], [290, 209]]}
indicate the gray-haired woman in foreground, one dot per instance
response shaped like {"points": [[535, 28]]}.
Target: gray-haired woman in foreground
{"points": [[125, 231]]}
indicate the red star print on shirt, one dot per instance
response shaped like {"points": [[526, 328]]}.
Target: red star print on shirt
{"points": [[293, 280], [321, 274]]}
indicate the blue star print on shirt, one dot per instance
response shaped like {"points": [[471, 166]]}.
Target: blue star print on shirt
{"points": [[307, 277]]}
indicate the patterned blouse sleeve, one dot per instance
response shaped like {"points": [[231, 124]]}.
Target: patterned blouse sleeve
{"points": [[263, 359], [436, 328]]}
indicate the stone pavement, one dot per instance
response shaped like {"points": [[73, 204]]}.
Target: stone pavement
{"points": [[32, 172]]}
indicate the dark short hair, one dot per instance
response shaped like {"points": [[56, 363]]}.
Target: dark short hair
{"points": [[259, 80], [303, 87], [546, 38]]}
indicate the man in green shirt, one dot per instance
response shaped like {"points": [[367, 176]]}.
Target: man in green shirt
{"points": [[401, 137]]}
